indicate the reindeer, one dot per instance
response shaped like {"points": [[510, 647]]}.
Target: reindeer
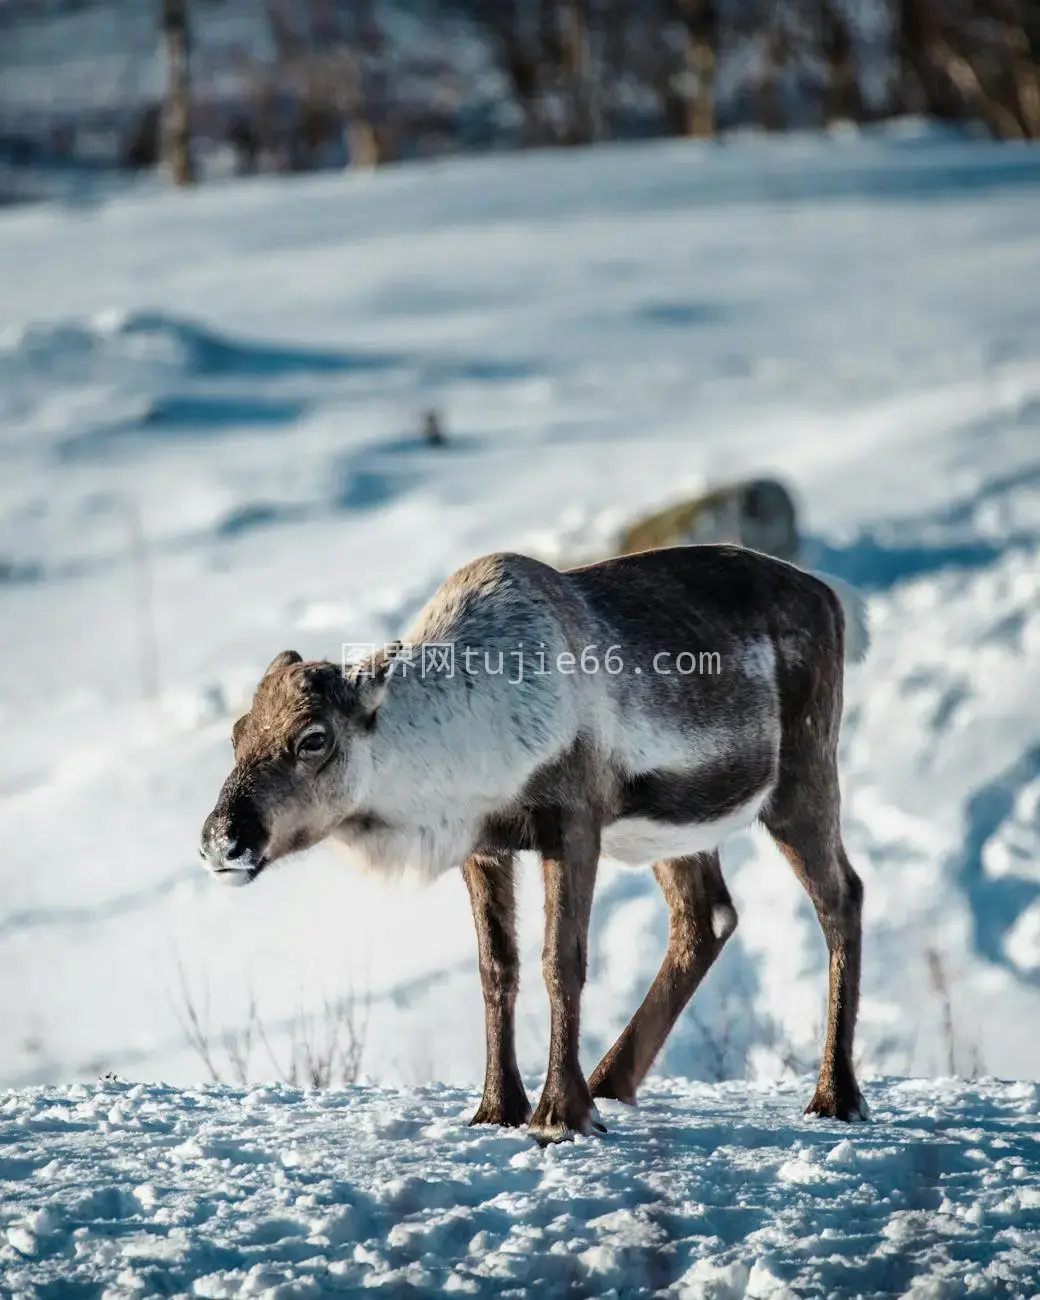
{"points": [[633, 758]]}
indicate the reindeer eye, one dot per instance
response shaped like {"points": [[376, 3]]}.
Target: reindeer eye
{"points": [[312, 742]]}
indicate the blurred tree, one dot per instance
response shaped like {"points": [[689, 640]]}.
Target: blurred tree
{"points": [[776, 47], [301, 84], [843, 99], [699, 22], [1016, 30], [521, 40], [579, 79], [965, 59], [177, 117], [141, 145]]}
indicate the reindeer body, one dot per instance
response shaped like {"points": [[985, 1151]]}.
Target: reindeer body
{"points": [[673, 761], [521, 747]]}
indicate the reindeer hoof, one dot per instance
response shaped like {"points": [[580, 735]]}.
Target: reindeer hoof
{"points": [[549, 1134], [845, 1104], [608, 1086], [559, 1119], [510, 1111]]}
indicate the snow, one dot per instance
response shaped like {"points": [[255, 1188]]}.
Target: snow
{"points": [[209, 413], [209, 451], [118, 1189]]}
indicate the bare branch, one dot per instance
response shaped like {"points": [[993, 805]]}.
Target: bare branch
{"points": [[195, 1025], [325, 1049]]}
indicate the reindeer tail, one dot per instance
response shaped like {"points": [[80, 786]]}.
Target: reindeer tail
{"points": [[857, 619]]}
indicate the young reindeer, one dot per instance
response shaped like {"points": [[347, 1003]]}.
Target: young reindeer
{"points": [[526, 746]]}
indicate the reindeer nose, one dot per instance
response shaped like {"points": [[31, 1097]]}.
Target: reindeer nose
{"points": [[233, 842], [234, 839], [219, 843]]}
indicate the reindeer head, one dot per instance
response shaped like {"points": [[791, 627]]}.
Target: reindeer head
{"points": [[302, 764]]}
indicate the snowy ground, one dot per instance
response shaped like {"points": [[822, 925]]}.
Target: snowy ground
{"points": [[241, 371], [714, 1192]]}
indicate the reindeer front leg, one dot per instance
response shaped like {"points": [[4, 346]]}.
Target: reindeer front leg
{"points": [[491, 895], [570, 858]]}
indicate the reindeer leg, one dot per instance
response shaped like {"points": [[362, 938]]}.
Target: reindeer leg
{"points": [[702, 918], [570, 858], [491, 895], [821, 864]]}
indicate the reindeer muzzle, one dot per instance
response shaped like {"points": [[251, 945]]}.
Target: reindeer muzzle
{"points": [[234, 841]]}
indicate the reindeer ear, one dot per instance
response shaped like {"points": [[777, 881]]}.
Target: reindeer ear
{"points": [[371, 686], [236, 730], [284, 660]]}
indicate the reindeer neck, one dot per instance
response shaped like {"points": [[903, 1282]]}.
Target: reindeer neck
{"points": [[418, 749]]}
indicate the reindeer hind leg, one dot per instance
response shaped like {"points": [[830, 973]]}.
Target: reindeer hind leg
{"points": [[811, 842], [702, 918]]}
